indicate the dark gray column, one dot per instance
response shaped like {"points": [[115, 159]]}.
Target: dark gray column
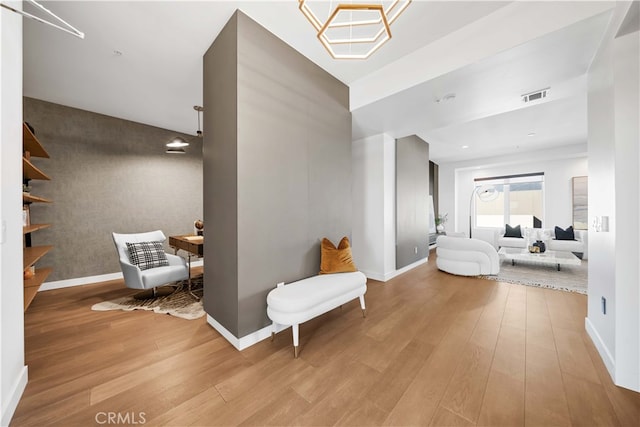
{"points": [[412, 200]]}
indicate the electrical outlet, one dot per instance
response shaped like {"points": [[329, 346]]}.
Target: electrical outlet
{"points": [[604, 305]]}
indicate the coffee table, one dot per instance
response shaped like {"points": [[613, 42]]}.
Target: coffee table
{"points": [[547, 258]]}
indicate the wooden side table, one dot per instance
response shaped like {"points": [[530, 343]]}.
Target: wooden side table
{"points": [[193, 245]]}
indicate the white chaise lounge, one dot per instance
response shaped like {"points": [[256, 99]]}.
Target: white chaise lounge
{"points": [[305, 299], [466, 257]]}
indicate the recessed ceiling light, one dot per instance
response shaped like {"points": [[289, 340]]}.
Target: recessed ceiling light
{"points": [[531, 134], [465, 146], [447, 98]]}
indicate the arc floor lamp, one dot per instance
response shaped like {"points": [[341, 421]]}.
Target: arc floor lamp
{"points": [[486, 193]]}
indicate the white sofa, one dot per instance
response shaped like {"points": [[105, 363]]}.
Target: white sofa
{"points": [[466, 257], [547, 235]]}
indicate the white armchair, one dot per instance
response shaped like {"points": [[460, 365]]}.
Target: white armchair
{"points": [[151, 278], [466, 257]]}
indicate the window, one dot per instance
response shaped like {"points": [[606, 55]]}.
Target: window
{"points": [[519, 201]]}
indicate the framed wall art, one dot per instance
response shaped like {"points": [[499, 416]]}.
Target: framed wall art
{"points": [[580, 199]]}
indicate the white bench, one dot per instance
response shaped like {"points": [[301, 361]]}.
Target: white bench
{"points": [[305, 299]]}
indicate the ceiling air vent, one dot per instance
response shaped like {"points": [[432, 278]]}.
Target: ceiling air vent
{"points": [[534, 96]]}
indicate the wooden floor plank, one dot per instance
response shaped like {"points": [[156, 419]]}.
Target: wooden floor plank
{"points": [[444, 417], [588, 403], [573, 355], [503, 403], [466, 389]]}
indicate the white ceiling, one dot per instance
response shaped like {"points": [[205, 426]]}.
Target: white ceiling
{"points": [[158, 77], [488, 114]]}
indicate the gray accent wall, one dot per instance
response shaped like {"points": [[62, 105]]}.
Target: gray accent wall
{"points": [[291, 172], [107, 174], [412, 203], [220, 125]]}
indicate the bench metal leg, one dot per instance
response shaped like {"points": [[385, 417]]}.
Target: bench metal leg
{"points": [[295, 330], [362, 306]]}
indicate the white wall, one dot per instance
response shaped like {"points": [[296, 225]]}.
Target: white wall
{"points": [[613, 191], [627, 89], [456, 181], [13, 373], [373, 235]]}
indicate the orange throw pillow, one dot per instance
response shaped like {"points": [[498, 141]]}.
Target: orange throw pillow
{"points": [[336, 260]]}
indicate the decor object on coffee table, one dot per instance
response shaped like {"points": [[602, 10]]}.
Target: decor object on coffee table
{"points": [[539, 244], [147, 266]]}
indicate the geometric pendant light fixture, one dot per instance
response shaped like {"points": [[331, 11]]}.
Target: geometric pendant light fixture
{"points": [[355, 29]]}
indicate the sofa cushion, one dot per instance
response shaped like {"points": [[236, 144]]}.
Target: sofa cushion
{"points": [[513, 231], [567, 234], [147, 255], [336, 260]]}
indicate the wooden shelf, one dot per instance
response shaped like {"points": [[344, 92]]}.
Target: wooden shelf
{"points": [[41, 275], [31, 144], [30, 198], [32, 254], [29, 295], [31, 147], [34, 227], [29, 171]]}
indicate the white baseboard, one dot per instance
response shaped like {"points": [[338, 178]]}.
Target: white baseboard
{"points": [[604, 352], [68, 283], [404, 269], [383, 277], [14, 397], [380, 277], [246, 341], [89, 280]]}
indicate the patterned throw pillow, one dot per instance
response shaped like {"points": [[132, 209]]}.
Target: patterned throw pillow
{"points": [[147, 255]]}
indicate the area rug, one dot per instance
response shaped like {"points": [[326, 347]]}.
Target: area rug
{"points": [[570, 278], [180, 303]]}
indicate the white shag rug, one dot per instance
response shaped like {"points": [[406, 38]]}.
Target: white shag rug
{"points": [[570, 278]]}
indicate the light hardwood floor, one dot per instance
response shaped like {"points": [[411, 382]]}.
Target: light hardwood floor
{"points": [[434, 349]]}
